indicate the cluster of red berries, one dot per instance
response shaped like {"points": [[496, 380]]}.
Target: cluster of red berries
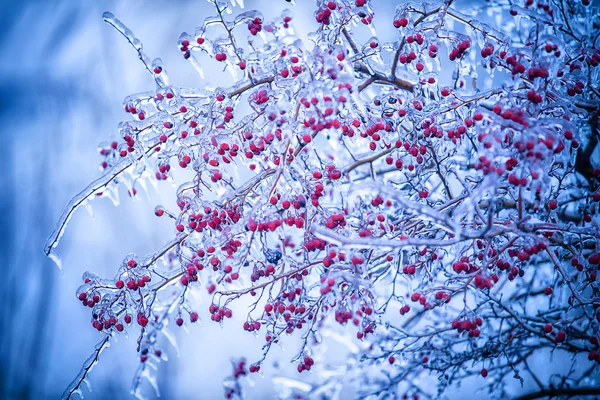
{"points": [[133, 283], [251, 326], [485, 283], [400, 22], [130, 143], [472, 327], [193, 318], [306, 364], [260, 273], [260, 97], [333, 173], [594, 356], [323, 16], [407, 57], [594, 59], [460, 50], [514, 180], [560, 336], [533, 73], [295, 221], [239, 370], [342, 316], [525, 253], [377, 201], [267, 226], [145, 352], [226, 152], [184, 48], [335, 220], [103, 319], [463, 265], [487, 50], [375, 132], [221, 56], [404, 309], [534, 97], [140, 114], [410, 269], [326, 285], [219, 313], [216, 175], [292, 323], [516, 67], [104, 324], [576, 89], [368, 328], [297, 202], [191, 274], [281, 308], [315, 244], [213, 219], [331, 256], [255, 26], [318, 193], [486, 166], [418, 297]]}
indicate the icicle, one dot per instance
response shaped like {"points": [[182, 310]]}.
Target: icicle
{"points": [[88, 207], [152, 380], [56, 258], [112, 192], [171, 338], [197, 66], [87, 384]]}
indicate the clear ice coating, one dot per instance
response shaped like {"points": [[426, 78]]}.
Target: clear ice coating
{"points": [[134, 41], [74, 387], [342, 177], [54, 256]]}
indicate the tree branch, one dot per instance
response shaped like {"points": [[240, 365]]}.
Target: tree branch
{"points": [[570, 392]]}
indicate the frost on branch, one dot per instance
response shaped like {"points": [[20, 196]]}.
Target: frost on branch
{"points": [[430, 202]]}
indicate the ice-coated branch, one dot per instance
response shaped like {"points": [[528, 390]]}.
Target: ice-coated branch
{"points": [[77, 201], [564, 391], [361, 243], [74, 387], [110, 19]]}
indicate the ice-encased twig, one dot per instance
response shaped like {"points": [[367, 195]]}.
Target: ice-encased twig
{"points": [[369, 243], [134, 41], [80, 198], [443, 220], [75, 385]]}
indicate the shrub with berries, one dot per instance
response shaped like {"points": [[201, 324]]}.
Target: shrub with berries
{"points": [[432, 198]]}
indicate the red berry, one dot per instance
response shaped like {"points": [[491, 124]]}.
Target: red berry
{"points": [[194, 316]]}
